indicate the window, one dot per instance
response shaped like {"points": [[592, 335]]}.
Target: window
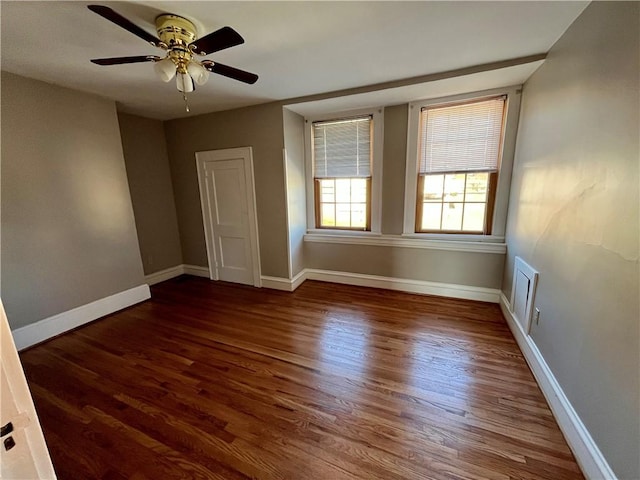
{"points": [[342, 172], [459, 159], [459, 164]]}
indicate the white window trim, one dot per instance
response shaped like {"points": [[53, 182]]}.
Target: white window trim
{"points": [[496, 246], [506, 165], [377, 116]]}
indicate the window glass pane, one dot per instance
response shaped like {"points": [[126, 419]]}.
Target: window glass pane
{"points": [[343, 190], [359, 190], [328, 218], [342, 202], [433, 185], [359, 215], [343, 215], [452, 216], [454, 187], [431, 213], [327, 190], [477, 187], [473, 217]]}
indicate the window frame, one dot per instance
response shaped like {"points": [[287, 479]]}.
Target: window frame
{"points": [[496, 230], [375, 186], [490, 202]]}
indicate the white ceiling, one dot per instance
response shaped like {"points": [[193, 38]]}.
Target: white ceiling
{"points": [[297, 48]]}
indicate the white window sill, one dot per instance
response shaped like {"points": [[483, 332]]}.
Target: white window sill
{"points": [[456, 243], [345, 233]]}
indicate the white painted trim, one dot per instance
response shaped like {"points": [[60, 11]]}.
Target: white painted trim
{"points": [[401, 241], [406, 285], [172, 272], [288, 285], [375, 281], [277, 283], [166, 274], [206, 220], [298, 279], [589, 457], [287, 210], [34, 452], [196, 271], [50, 327]]}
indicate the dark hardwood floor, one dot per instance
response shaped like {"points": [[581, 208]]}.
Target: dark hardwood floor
{"points": [[215, 381]]}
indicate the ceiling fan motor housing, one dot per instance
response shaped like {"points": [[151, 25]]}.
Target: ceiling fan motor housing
{"points": [[176, 33]]}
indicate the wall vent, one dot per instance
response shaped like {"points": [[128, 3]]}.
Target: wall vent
{"points": [[523, 290]]}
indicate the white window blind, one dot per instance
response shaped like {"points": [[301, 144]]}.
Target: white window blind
{"points": [[461, 138], [342, 148]]}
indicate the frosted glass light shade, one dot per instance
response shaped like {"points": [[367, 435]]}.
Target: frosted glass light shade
{"points": [[184, 82], [165, 69], [199, 74]]}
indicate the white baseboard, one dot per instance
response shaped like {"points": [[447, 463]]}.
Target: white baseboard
{"points": [[163, 275], [277, 283], [375, 281], [589, 457], [172, 272], [50, 327], [298, 279], [285, 284], [196, 270], [406, 285]]}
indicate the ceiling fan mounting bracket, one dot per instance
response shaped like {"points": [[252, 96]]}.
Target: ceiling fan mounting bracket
{"points": [[175, 31]]}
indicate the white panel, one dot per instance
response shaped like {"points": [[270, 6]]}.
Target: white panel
{"points": [[229, 195], [521, 298], [233, 252], [525, 279]]}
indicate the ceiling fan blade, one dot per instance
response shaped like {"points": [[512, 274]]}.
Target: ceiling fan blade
{"points": [[120, 60], [231, 72], [219, 40], [119, 20]]}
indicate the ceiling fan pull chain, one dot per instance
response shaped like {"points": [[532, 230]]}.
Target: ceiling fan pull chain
{"points": [[186, 104]]}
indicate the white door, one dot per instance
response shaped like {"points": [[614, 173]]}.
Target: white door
{"points": [[23, 451], [229, 214]]}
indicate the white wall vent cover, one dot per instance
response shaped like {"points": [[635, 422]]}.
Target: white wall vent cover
{"points": [[523, 290]]}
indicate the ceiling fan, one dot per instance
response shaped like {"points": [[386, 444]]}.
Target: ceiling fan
{"points": [[178, 37]]}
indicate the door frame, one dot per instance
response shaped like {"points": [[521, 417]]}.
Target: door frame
{"points": [[26, 419], [246, 153]]}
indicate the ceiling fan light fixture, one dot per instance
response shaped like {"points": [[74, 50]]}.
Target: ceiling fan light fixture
{"points": [[165, 69], [184, 82], [199, 74], [178, 37]]}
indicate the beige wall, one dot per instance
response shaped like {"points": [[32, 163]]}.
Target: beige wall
{"points": [[147, 163], [260, 127], [461, 268], [293, 129], [393, 168], [573, 216], [68, 232]]}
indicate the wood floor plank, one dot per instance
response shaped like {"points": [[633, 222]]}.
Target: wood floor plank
{"points": [[220, 381]]}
